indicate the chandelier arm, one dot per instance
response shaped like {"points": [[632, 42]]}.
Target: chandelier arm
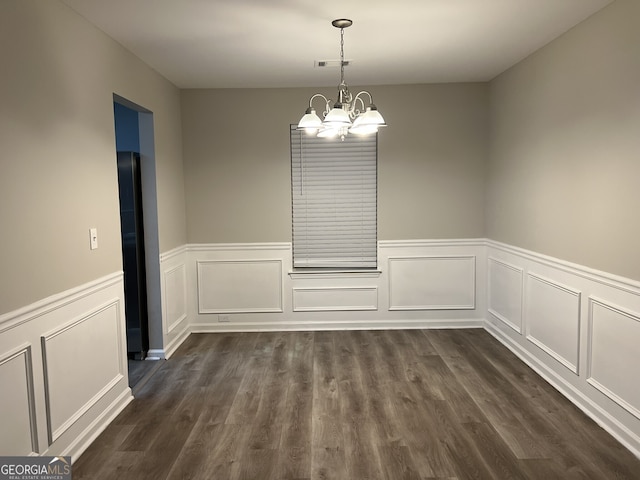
{"points": [[327, 102], [314, 96], [364, 92], [354, 111]]}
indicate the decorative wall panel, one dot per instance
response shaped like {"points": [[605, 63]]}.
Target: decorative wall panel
{"points": [[614, 353], [505, 293], [553, 319], [432, 283], [175, 296], [239, 286], [82, 361], [17, 409], [595, 363], [335, 299]]}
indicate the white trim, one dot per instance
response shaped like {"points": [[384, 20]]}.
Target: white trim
{"points": [[175, 324], [506, 321], [614, 397], [58, 432], [395, 307], [95, 428], [156, 354], [53, 435], [330, 308], [592, 381], [165, 274], [173, 253], [459, 242], [499, 316], [173, 345], [328, 325], [328, 275], [265, 309], [573, 368], [25, 349], [621, 283], [54, 302]]}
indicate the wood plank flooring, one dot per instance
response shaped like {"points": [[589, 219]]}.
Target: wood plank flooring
{"points": [[415, 404]]}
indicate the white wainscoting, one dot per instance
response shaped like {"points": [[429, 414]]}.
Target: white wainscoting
{"points": [[64, 359], [614, 341], [552, 318], [432, 282], [17, 405], [578, 328], [239, 286], [73, 386], [175, 313], [580, 331], [252, 287], [334, 299], [175, 294], [505, 293]]}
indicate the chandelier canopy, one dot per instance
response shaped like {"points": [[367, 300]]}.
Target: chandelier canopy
{"points": [[350, 113]]}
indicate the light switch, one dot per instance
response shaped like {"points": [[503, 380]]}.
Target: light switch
{"points": [[93, 236]]}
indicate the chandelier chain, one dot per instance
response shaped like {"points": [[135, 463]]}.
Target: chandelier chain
{"points": [[341, 56]]}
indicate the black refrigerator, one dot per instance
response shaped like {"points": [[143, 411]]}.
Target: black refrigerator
{"points": [[133, 258]]}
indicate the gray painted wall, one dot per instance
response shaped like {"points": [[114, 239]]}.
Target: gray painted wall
{"points": [[564, 164], [58, 162], [544, 157], [431, 164]]}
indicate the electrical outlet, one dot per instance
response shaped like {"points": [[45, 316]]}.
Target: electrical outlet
{"points": [[224, 318]]}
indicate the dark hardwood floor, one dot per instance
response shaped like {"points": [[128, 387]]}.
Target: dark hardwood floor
{"points": [[140, 371], [347, 405]]}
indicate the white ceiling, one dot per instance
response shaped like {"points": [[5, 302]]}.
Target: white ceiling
{"points": [[275, 43]]}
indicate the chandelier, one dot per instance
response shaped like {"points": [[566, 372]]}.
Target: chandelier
{"points": [[349, 114]]}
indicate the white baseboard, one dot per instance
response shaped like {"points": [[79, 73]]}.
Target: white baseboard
{"points": [[335, 325], [156, 354], [83, 441], [176, 342]]}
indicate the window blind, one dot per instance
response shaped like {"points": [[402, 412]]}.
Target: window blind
{"points": [[334, 200]]}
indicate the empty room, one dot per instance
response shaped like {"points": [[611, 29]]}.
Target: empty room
{"points": [[313, 240]]}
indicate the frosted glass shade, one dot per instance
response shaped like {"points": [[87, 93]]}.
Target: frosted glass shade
{"points": [[372, 117], [328, 132], [310, 122], [368, 122], [337, 117], [363, 129]]}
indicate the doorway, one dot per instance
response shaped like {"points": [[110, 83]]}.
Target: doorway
{"points": [[139, 234], [133, 254]]}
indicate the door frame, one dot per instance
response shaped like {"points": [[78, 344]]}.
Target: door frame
{"points": [[150, 222]]}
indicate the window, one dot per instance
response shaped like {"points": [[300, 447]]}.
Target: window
{"points": [[334, 201]]}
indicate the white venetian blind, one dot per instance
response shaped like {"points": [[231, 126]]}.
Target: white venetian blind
{"points": [[334, 200]]}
